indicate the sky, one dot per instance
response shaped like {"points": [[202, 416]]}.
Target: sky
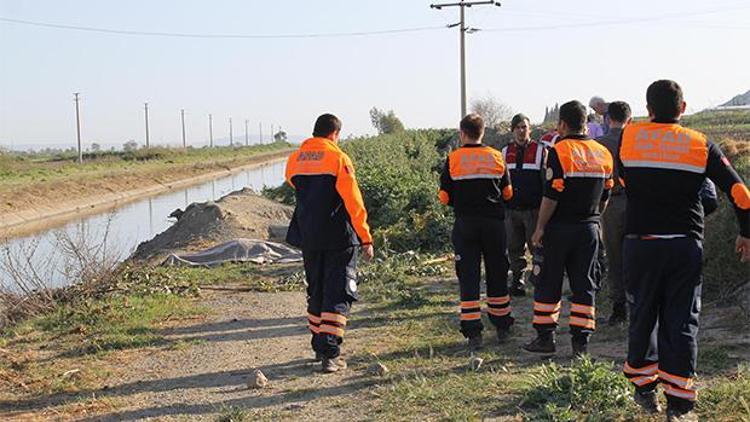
{"points": [[527, 54]]}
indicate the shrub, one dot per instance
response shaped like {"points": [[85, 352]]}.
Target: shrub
{"points": [[586, 390]]}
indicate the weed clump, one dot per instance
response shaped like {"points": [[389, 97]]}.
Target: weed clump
{"points": [[586, 390]]}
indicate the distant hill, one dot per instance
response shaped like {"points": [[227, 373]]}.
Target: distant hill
{"points": [[739, 100]]}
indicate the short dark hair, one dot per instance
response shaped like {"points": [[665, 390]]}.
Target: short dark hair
{"points": [[573, 113], [473, 126], [619, 111], [326, 125], [517, 119], [664, 98]]}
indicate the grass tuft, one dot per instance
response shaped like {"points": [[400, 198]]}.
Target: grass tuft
{"points": [[586, 390]]}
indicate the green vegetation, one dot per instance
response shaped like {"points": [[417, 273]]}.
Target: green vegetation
{"points": [[110, 323], [721, 125], [728, 400], [583, 391], [23, 168]]}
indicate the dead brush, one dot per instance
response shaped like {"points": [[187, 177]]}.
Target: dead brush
{"points": [[86, 266]]}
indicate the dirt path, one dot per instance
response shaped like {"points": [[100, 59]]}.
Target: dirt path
{"points": [[244, 331]]}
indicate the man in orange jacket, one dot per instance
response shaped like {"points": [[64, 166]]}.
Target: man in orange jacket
{"points": [[664, 166], [475, 183], [329, 225], [579, 178]]}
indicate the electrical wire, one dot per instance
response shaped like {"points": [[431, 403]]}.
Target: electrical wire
{"points": [[220, 36], [625, 21]]}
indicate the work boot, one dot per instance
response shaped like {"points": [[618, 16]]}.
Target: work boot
{"points": [[502, 334], [647, 401], [674, 415], [680, 411], [619, 314], [580, 347], [319, 356], [331, 365], [474, 343], [543, 343]]}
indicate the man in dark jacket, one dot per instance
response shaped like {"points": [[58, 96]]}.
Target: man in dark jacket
{"points": [[525, 159]]}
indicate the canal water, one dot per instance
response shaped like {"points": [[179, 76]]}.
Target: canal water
{"points": [[121, 230]]}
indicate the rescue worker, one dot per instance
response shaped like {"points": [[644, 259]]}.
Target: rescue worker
{"points": [[579, 177], [475, 183], [329, 225], [663, 166], [613, 218], [525, 160]]}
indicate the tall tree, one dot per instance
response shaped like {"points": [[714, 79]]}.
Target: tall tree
{"points": [[385, 122], [493, 111]]}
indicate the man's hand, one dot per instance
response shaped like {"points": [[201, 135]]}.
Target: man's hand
{"points": [[368, 251], [536, 238], [742, 246]]}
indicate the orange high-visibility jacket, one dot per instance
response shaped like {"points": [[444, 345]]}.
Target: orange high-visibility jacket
{"points": [[330, 213], [663, 167], [475, 182], [579, 177]]}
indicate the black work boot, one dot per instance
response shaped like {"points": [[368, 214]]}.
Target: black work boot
{"points": [[319, 356], [619, 314], [680, 411], [474, 343], [648, 401], [544, 343], [580, 346], [502, 334]]}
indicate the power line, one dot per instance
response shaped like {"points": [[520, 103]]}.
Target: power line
{"points": [[625, 21], [220, 36]]}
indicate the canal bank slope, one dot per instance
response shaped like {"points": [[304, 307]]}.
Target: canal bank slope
{"points": [[36, 206]]}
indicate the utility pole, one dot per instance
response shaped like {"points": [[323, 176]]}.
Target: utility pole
{"points": [[463, 30], [260, 128], [182, 118], [78, 129], [145, 108], [247, 137], [211, 131], [231, 138]]}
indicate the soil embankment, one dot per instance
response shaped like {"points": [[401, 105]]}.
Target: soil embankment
{"points": [[241, 214], [41, 205]]}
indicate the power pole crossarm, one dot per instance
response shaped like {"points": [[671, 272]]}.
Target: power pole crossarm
{"points": [[462, 39]]}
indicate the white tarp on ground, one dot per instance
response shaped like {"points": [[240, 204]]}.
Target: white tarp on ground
{"points": [[239, 250]]}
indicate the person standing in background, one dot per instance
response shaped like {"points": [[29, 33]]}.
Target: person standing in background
{"points": [[525, 159], [613, 218]]}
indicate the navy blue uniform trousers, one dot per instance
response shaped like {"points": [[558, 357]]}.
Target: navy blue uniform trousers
{"points": [[331, 289], [571, 248], [476, 238], [663, 284]]}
